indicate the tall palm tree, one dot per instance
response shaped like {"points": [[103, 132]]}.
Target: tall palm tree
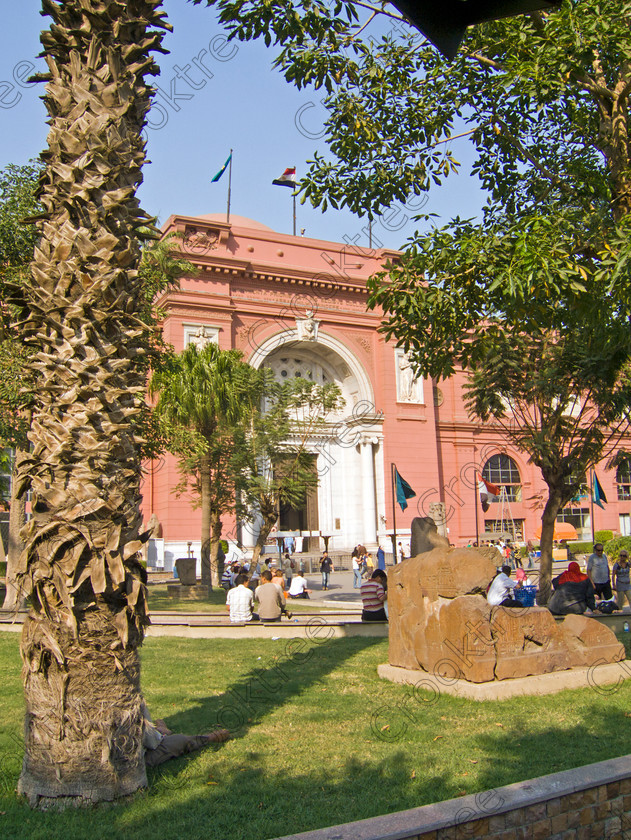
{"points": [[83, 729], [208, 392]]}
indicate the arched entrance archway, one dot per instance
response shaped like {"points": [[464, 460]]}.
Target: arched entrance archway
{"points": [[348, 454]]}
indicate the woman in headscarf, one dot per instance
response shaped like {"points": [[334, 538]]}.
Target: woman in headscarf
{"points": [[573, 592], [521, 577]]}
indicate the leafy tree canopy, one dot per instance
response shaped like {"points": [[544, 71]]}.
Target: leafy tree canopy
{"points": [[543, 97], [534, 299]]}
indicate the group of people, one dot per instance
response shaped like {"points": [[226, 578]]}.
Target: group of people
{"points": [[363, 564], [503, 591], [574, 591], [270, 593]]}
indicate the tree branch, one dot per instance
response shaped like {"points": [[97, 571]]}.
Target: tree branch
{"points": [[547, 173], [489, 62]]}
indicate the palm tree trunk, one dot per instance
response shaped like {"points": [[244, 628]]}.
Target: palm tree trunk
{"points": [[83, 723], [215, 536], [17, 518], [205, 485]]}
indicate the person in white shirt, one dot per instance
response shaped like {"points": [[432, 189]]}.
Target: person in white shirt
{"points": [[298, 588], [240, 600], [501, 590]]}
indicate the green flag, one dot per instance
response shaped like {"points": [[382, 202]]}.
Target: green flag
{"points": [[222, 170], [598, 494], [403, 490]]}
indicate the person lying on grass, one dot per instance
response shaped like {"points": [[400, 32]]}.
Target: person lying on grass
{"points": [[161, 744]]}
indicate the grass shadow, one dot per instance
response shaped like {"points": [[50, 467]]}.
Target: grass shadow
{"points": [[291, 670]]}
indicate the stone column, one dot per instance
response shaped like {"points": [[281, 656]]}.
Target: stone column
{"points": [[368, 492]]}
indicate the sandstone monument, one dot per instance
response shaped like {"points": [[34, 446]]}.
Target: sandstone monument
{"points": [[440, 622]]}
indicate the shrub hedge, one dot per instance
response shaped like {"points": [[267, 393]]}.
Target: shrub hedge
{"points": [[582, 547], [612, 547], [603, 536]]}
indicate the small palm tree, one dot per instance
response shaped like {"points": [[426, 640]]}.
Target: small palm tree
{"points": [[207, 393]]}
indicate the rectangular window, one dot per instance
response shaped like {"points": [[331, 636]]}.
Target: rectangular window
{"points": [[579, 518], [625, 525], [512, 528]]}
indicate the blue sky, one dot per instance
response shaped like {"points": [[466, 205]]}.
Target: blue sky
{"points": [[213, 96]]}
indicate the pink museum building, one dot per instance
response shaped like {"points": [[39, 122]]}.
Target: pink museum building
{"points": [[298, 306]]}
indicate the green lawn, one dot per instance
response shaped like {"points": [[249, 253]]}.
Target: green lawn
{"points": [[318, 739]]}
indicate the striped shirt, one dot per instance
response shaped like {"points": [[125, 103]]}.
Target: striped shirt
{"points": [[373, 595]]}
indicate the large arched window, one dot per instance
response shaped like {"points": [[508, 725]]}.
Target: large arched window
{"points": [[623, 479], [502, 470]]}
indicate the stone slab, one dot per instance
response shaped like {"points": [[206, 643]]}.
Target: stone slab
{"points": [[184, 592], [603, 677], [258, 630]]}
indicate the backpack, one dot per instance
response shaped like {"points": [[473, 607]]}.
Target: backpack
{"points": [[292, 564], [606, 607]]}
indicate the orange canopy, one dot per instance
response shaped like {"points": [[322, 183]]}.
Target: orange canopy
{"points": [[562, 531]]}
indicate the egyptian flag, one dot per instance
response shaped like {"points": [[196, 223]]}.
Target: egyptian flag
{"points": [[222, 170], [287, 179], [488, 493], [402, 489], [598, 494]]}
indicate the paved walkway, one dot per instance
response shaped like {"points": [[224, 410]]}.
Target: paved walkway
{"points": [[340, 591]]}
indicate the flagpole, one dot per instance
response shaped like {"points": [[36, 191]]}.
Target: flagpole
{"points": [[394, 515], [294, 195], [591, 501], [229, 189], [476, 494]]}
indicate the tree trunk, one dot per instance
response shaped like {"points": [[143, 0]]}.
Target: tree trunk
{"points": [[548, 520], [205, 484], [269, 515], [215, 536], [83, 733], [81, 565], [17, 518]]}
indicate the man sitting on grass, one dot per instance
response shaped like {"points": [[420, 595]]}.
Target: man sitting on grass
{"points": [[298, 588]]}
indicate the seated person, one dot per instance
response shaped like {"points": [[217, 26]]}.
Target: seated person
{"points": [[239, 600], [278, 579], [226, 578], [374, 594], [298, 588], [161, 744], [500, 592], [522, 578], [270, 598], [573, 592]]}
